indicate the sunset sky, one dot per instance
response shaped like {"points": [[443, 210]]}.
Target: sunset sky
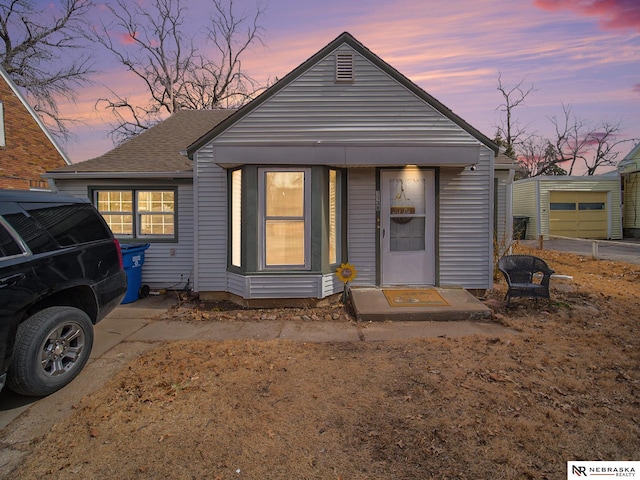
{"points": [[585, 53]]}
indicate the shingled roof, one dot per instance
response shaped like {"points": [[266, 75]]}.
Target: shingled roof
{"points": [[155, 151]]}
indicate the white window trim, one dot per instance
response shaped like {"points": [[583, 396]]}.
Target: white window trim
{"points": [[262, 220]]}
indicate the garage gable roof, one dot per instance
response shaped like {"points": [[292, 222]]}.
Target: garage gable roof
{"points": [[344, 38]]}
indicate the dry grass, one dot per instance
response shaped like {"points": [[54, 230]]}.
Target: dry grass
{"points": [[567, 387]]}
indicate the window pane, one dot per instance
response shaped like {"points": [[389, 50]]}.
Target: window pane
{"points": [[333, 217], [155, 201], [116, 208], [408, 236], [156, 224], [284, 242], [285, 194], [120, 224], [115, 201], [591, 206], [407, 196], [236, 217], [562, 206]]}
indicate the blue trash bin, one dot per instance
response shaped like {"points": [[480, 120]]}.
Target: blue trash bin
{"points": [[133, 259]]}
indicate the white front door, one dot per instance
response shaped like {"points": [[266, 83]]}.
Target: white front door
{"points": [[407, 221]]}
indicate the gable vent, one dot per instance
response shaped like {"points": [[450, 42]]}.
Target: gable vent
{"points": [[344, 67]]}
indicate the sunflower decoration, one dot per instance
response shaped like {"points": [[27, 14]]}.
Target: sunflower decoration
{"points": [[346, 272]]}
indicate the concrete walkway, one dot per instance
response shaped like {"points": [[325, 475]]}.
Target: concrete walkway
{"points": [[135, 328]]}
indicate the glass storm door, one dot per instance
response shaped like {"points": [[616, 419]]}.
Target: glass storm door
{"points": [[407, 221]]}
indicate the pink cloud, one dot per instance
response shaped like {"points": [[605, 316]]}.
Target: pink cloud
{"points": [[126, 39], [613, 14], [636, 88]]}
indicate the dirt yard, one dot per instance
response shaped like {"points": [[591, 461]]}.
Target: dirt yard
{"points": [[567, 387]]}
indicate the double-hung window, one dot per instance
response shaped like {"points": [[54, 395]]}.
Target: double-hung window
{"points": [[143, 214], [285, 207]]}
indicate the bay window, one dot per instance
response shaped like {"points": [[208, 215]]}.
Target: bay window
{"points": [[284, 218]]}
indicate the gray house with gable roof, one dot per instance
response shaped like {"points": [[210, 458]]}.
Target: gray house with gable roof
{"points": [[344, 159]]}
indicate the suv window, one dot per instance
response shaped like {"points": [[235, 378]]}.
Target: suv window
{"points": [[8, 246], [50, 227], [36, 239], [71, 224]]}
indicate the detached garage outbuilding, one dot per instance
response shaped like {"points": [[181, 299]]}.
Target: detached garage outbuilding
{"points": [[580, 207]]}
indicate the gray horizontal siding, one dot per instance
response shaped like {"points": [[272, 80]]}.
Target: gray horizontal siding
{"points": [[465, 228], [166, 264], [283, 286], [288, 286], [211, 220], [361, 224], [374, 109], [237, 284]]}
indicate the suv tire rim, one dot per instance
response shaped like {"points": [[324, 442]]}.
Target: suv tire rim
{"points": [[62, 349]]}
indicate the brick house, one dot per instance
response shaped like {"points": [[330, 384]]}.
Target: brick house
{"points": [[27, 148]]}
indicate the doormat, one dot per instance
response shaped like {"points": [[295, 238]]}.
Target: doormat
{"points": [[415, 298]]}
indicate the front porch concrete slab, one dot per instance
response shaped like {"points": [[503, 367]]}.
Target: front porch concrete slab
{"points": [[371, 305]]}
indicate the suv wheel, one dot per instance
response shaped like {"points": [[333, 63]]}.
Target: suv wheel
{"points": [[51, 349]]}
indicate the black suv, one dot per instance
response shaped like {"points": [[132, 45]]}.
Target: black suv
{"points": [[60, 273]]}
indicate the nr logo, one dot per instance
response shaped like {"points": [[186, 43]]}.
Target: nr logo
{"points": [[578, 470]]}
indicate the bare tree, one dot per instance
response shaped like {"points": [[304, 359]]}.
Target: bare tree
{"points": [[580, 144], [41, 50], [537, 156], [163, 54], [222, 82], [509, 133]]}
